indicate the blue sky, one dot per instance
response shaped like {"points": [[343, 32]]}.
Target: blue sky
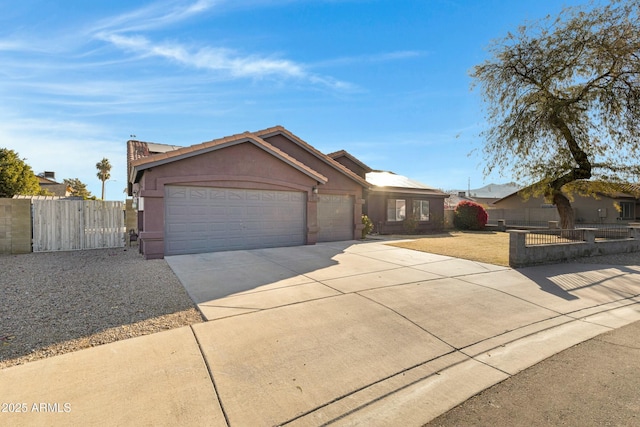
{"points": [[386, 80]]}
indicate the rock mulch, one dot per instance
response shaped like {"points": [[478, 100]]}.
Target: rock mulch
{"points": [[59, 302]]}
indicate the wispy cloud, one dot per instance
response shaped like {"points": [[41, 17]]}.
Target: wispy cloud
{"points": [[216, 59], [126, 32], [155, 16]]}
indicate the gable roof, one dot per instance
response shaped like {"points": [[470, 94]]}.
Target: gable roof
{"points": [[279, 130], [141, 163], [343, 153]]}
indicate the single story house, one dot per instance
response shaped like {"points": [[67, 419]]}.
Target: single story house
{"points": [[391, 199], [251, 190], [605, 207], [47, 182]]}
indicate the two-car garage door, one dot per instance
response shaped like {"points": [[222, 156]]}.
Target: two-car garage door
{"points": [[204, 219]]}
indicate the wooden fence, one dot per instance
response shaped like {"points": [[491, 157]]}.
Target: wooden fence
{"points": [[67, 225]]}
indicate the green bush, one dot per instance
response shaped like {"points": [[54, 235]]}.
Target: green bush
{"points": [[368, 226], [410, 224], [469, 216]]}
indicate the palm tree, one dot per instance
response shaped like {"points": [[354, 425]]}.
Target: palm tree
{"points": [[104, 167]]}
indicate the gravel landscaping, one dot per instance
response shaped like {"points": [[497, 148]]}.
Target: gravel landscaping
{"points": [[59, 302]]}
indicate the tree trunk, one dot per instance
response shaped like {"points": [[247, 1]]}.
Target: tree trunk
{"points": [[567, 216]]}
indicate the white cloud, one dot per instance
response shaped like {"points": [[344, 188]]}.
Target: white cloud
{"points": [[157, 15], [123, 32]]}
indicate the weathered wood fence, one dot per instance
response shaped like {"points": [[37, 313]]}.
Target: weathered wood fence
{"points": [[67, 225]]}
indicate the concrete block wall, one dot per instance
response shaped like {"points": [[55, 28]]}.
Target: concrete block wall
{"points": [[521, 255], [15, 226]]}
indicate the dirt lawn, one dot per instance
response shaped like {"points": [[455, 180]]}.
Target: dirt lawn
{"points": [[483, 246]]}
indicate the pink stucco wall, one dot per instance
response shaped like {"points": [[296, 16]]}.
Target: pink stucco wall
{"points": [[239, 166]]}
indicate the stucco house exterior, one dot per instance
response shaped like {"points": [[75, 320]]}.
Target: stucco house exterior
{"points": [[607, 207], [251, 190], [391, 198], [47, 181]]}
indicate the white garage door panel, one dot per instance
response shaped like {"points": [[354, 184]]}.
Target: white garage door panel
{"points": [[217, 219], [335, 218]]}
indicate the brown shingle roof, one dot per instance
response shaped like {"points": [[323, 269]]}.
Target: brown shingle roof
{"points": [[344, 153], [265, 133], [141, 163]]}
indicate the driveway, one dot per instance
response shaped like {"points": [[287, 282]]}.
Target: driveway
{"points": [[363, 332], [346, 333]]}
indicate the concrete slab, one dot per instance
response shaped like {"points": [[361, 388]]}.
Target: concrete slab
{"points": [[349, 264], [454, 267], [379, 279], [458, 312], [270, 298], [427, 398], [207, 283], [562, 292], [158, 379], [401, 256], [272, 366], [523, 353]]}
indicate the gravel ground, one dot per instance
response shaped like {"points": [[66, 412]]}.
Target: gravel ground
{"points": [[54, 303]]}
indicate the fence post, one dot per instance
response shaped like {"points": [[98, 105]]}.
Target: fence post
{"points": [[635, 230], [517, 248], [502, 225], [589, 235]]}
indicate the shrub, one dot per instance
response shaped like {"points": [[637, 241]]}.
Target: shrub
{"points": [[410, 224], [368, 226], [470, 216]]}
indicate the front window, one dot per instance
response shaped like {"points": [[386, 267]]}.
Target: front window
{"points": [[421, 210], [626, 210], [396, 209]]}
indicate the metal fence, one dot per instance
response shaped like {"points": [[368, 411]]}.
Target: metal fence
{"points": [[552, 237], [557, 236]]}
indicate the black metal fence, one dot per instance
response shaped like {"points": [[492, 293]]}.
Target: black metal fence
{"points": [[557, 236], [552, 237]]}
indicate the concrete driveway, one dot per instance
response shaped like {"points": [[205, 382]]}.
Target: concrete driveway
{"points": [[366, 333], [346, 333]]}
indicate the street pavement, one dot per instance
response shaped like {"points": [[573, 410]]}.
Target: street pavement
{"points": [[340, 333]]}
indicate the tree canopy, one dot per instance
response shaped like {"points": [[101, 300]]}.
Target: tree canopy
{"points": [[563, 98], [78, 188], [16, 176]]}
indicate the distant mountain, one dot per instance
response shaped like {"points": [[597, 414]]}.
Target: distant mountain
{"points": [[490, 191]]}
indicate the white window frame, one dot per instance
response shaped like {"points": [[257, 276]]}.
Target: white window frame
{"points": [[396, 210], [418, 210]]}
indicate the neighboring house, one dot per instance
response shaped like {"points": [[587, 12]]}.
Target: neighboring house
{"points": [[47, 181], [452, 201], [392, 198], [617, 207], [252, 190], [485, 196]]}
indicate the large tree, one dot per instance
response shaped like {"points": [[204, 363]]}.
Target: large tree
{"points": [[104, 172], [16, 176], [563, 98], [78, 188]]}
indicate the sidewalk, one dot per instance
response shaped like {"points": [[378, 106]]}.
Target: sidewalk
{"points": [[345, 333]]}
